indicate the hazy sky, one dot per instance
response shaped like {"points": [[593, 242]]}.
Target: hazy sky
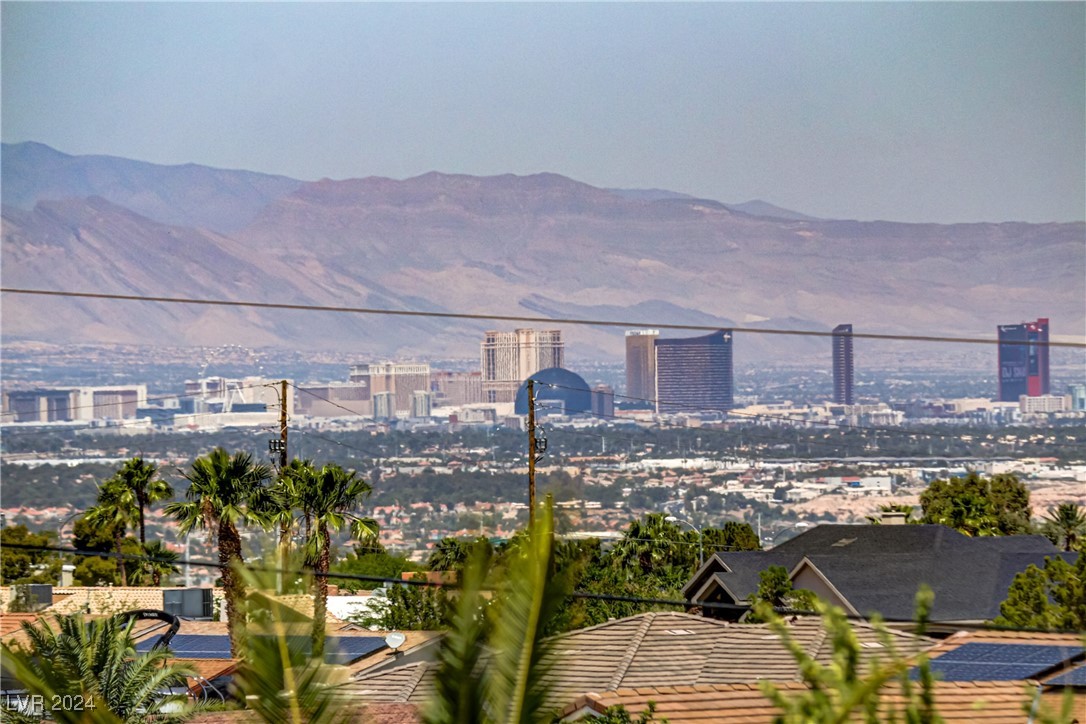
{"points": [[907, 111]]}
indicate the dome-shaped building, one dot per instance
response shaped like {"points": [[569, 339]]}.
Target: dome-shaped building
{"points": [[557, 390]]}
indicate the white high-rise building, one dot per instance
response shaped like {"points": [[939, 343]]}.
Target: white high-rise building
{"points": [[509, 358]]}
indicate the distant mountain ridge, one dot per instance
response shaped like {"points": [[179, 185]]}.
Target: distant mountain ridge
{"points": [[537, 245], [187, 195]]}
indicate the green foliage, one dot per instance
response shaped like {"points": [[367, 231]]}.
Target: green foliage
{"points": [[619, 715], [976, 506], [732, 536], [367, 562], [116, 509], [842, 689], [509, 685], [1065, 525], [279, 677], [95, 664], [411, 608], [451, 554], [161, 562], [1051, 599], [775, 591], [27, 566]]}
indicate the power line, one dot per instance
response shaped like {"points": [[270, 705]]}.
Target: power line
{"points": [[522, 318]]}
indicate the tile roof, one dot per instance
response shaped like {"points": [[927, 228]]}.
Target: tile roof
{"points": [[653, 649], [992, 702]]}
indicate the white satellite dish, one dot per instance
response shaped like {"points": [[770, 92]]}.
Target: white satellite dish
{"points": [[395, 640]]}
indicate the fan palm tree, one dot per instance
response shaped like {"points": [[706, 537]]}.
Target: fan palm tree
{"points": [[223, 494], [330, 498], [1065, 523], [115, 509], [649, 544], [283, 499], [162, 561], [94, 665], [139, 476]]}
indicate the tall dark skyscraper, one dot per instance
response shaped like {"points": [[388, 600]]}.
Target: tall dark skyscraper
{"points": [[1023, 360], [842, 364], [695, 373]]}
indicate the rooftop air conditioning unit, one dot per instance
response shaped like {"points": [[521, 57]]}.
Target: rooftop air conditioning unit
{"points": [[189, 602]]}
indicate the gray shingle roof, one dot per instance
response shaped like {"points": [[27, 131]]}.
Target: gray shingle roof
{"points": [[878, 568]]}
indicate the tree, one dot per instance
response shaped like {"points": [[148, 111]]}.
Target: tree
{"points": [[451, 554], [116, 510], [139, 477], [1065, 525], [775, 591], [973, 505], [94, 663], [161, 562], [95, 571], [370, 563], [331, 498], [1051, 599], [221, 496], [732, 536], [652, 544], [410, 608], [27, 566]]}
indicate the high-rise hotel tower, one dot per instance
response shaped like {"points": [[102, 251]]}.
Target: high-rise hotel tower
{"points": [[695, 373], [641, 364], [509, 358], [842, 364], [1023, 360]]}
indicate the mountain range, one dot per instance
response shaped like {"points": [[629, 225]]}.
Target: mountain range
{"points": [[539, 245]]}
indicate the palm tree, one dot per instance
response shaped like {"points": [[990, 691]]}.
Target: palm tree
{"points": [[163, 561], [450, 554], [222, 495], [138, 476], [331, 496], [1066, 523], [94, 664], [649, 544], [114, 510], [281, 502]]}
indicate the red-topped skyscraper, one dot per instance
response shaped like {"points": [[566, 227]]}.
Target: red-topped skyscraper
{"points": [[1023, 360]]}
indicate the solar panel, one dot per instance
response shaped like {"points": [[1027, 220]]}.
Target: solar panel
{"points": [[1074, 677], [337, 649], [1011, 654], [998, 662], [194, 646]]}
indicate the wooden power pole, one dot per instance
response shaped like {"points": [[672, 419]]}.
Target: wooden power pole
{"points": [[282, 424]]}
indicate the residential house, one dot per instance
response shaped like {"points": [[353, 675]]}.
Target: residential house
{"points": [[868, 569]]}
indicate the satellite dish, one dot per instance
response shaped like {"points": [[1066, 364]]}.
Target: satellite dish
{"points": [[395, 640]]}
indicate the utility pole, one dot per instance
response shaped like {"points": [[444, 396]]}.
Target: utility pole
{"points": [[531, 454], [282, 424]]}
